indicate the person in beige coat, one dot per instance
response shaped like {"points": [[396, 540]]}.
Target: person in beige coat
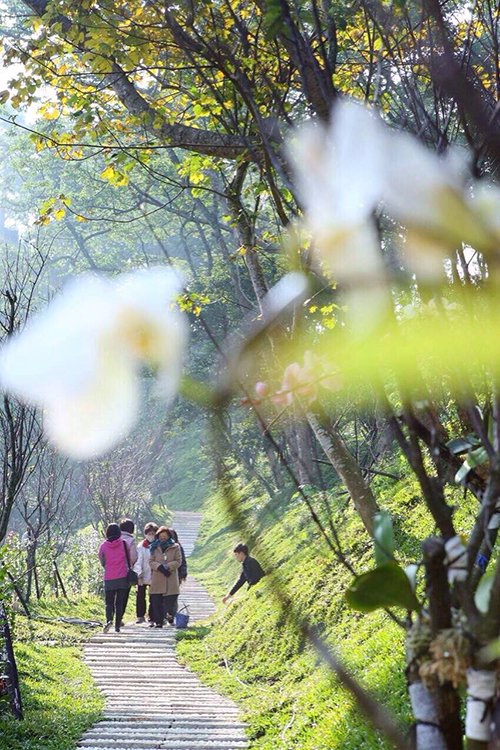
{"points": [[164, 561]]}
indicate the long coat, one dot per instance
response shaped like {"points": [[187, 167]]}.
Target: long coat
{"points": [[141, 567], [160, 584]]}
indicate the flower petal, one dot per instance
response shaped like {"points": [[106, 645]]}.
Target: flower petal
{"points": [[147, 297], [55, 355], [101, 415]]}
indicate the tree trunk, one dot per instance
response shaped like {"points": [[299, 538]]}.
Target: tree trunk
{"points": [[428, 735], [9, 668], [58, 578], [30, 566], [299, 444], [445, 696], [345, 466], [35, 575]]}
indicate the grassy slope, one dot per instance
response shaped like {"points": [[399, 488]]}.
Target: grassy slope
{"points": [[59, 698], [191, 472], [289, 701]]}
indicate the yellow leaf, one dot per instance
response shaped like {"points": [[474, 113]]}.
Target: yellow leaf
{"points": [[58, 214], [50, 113], [78, 217], [107, 173]]}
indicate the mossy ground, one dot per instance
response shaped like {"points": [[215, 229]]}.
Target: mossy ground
{"points": [[252, 650]]}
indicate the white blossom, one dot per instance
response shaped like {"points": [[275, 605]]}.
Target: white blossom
{"points": [[339, 173], [80, 358], [340, 176], [426, 193], [346, 169]]}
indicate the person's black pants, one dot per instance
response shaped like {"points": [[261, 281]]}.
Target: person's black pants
{"points": [[140, 602], [170, 606], [156, 604], [115, 605], [127, 593]]}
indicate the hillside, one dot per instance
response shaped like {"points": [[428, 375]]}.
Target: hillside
{"points": [[252, 651]]}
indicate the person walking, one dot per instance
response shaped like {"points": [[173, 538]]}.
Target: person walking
{"points": [[127, 528], [251, 571], [112, 556], [164, 561], [143, 571], [183, 570]]}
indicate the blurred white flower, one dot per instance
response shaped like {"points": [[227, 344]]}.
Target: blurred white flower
{"points": [[486, 203], [433, 308], [340, 176], [426, 193], [79, 359], [290, 288], [344, 170]]}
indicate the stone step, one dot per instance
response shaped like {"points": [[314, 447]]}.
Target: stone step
{"points": [[203, 722], [168, 745], [169, 706], [143, 735]]}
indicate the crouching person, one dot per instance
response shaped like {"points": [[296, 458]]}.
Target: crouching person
{"points": [[164, 561], [251, 571], [143, 571]]}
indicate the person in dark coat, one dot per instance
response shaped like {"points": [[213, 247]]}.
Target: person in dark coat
{"points": [[251, 571], [183, 570], [127, 528]]}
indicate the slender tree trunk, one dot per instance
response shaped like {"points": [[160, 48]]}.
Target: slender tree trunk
{"points": [[345, 466], [58, 578], [9, 668], [19, 594], [30, 566], [35, 575], [273, 462], [245, 234], [299, 445]]}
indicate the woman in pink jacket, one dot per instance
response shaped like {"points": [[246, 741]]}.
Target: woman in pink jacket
{"points": [[114, 561]]}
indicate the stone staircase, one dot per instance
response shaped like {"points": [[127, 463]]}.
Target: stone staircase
{"points": [[152, 702], [186, 524]]}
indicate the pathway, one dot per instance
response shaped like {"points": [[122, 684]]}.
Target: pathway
{"points": [[152, 702]]}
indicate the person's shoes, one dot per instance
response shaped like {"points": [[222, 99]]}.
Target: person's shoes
{"points": [[152, 625], [117, 629], [139, 620], [107, 627], [158, 625], [171, 622]]}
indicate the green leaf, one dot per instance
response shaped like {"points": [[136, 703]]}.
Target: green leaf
{"points": [[411, 573], [386, 586], [383, 537], [474, 458], [491, 652], [483, 591], [460, 445]]}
